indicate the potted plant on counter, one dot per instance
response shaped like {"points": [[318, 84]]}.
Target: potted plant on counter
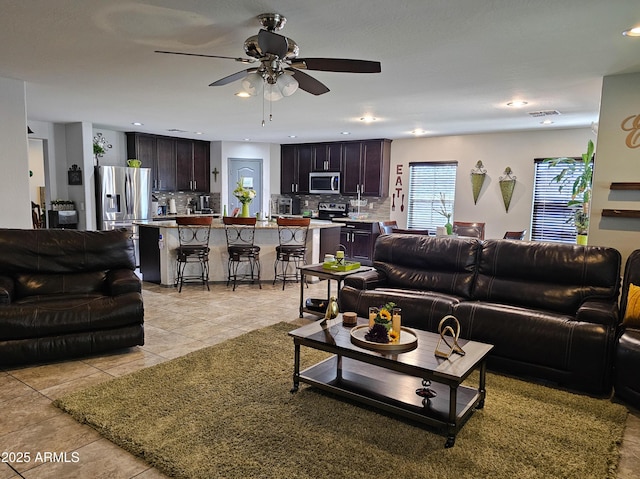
{"points": [[579, 174]]}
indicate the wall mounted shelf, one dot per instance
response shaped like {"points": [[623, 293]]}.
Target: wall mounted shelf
{"points": [[624, 186], [621, 213]]}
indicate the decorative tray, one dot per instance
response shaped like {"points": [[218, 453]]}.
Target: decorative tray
{"points": [[408, 340], [347, 266]]}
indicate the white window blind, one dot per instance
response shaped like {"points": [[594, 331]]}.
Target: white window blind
{"points": [[550, 211], [426, 182]]}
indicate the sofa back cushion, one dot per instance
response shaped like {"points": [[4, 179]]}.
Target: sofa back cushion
{"points": [[64, 251], [445, 265], [37, 284], [549, 276]]}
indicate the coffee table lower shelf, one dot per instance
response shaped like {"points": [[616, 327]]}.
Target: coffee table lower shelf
{"points": [[394, 392]]}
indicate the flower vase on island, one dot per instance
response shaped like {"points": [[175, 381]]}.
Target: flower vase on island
{"points": [[245, 195]]}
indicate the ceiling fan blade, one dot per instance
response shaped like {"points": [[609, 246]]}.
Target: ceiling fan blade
{"points": [[273, 43], [308, 83], [337, 65], [231, 78], [241, 60]]}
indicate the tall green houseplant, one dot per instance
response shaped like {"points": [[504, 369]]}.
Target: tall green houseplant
{"points": [[577, 173]]}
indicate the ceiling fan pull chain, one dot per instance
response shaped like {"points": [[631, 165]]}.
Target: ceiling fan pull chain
{"points": [[270, 104], [263, 104]]}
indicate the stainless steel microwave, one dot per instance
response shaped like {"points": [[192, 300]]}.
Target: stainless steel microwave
{"points": [[324, 182]]}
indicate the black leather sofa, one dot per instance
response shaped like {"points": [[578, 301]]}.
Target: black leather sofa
{"points": [[66, 293], [551, 310], [627, 363]]}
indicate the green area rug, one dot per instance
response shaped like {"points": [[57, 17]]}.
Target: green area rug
{"points": [[226, 412]]}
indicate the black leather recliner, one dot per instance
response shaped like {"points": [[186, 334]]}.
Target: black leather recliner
{"points": [[626, 382], [67, 293]]}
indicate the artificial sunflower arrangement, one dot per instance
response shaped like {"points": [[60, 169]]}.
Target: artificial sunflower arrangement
{"points": [[244, 195], [381, 331]]}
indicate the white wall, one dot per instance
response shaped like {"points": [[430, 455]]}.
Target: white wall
{"points": [[14, 157], [617, 161], [36, 169], [496, 151]]}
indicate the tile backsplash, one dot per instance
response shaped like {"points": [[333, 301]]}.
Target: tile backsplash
{"points": [[376, 209]]}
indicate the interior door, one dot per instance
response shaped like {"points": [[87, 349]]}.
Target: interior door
{"points": [[249, 171]]}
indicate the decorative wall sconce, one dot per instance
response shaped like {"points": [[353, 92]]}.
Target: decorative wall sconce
{"points": [[507, 184], [478, 175]]}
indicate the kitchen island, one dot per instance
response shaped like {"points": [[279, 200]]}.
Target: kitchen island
{"points": [[158, 258]]}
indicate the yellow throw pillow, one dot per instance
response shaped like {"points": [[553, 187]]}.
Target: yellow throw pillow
{"points": [[632, 311]]}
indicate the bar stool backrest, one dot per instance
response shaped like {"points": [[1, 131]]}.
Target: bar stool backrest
{"points": [[293, 231], [240, 231], [194, 231]]}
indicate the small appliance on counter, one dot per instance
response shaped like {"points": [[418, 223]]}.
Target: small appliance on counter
{"points": [[205, 204], [328, 211], [172, 207], [288, 206]]}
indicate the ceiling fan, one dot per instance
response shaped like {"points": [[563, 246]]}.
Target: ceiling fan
{"points": [[279, 70]]}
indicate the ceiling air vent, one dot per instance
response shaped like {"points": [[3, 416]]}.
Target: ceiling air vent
{"points": [[176, 130], [537, 114]]}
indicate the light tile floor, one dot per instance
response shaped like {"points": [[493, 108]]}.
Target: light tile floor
{"points": [[175, 324]]}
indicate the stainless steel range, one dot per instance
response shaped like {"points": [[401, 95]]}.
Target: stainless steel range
{"points": [[328, 211]]}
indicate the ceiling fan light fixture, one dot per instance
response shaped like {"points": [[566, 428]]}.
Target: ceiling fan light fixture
{"points": [[252, 83], [272, 93], [632, 32], [287, 84]]}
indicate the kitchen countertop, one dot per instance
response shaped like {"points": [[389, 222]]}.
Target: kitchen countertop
{"points": [[171, 223]]}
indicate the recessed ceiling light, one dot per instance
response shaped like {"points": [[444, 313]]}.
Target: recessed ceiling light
{"points": [[418, 132], [136, 123], [517, 103], [546, 122], [247, 139], [368, 119], [632, 32], [198, 133], [293, 136], [242, 94], [345, 132]]}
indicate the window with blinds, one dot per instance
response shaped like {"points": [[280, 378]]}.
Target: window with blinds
{"points": [[551, 218], [426, 182]]}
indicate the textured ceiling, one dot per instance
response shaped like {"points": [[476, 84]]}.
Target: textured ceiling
{"points": [[448, 66]]}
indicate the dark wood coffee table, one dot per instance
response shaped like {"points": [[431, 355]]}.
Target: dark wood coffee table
{"points": [[390, 380]]}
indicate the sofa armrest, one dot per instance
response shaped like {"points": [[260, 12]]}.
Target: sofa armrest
{"points": [[121, 281], [366, 280], [599, 312], [6, 290]]}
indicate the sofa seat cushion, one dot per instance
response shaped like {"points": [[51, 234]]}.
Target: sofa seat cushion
{"points": [[28, 284], [50, 315], [420, 309]]}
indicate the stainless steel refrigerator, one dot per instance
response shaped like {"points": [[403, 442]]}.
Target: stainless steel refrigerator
{"points": [[123, 196]]}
